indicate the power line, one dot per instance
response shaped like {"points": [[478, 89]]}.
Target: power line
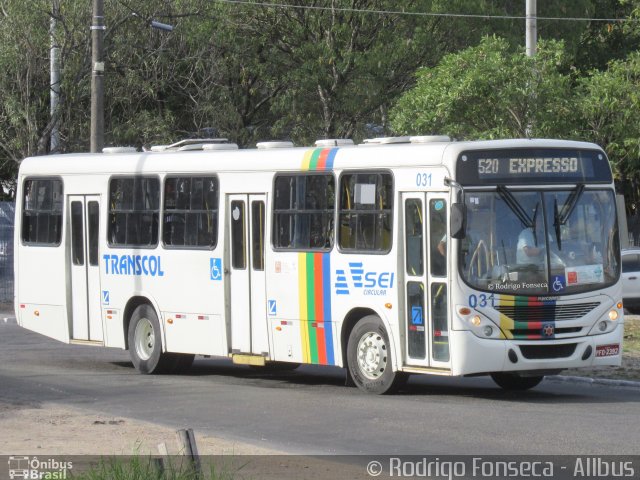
{"points": [[423, 14]]}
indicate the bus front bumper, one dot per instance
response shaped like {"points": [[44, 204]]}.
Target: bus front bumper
{"points": [[474, 355]]}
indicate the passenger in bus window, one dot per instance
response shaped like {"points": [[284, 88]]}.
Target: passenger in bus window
{"points": [[442, 246], [527, 250]]}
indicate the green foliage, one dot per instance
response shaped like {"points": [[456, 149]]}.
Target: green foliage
{"points": [[23, 101], [490, 91], [138, 467], [254, 72], [608, 103], [602, 42]]}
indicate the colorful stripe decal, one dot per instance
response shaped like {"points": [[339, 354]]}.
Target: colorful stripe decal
{"points": [[314, 282], [316, 329], [537, 329], [319, 159]]}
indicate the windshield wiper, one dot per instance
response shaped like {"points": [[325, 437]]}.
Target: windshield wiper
{"points": [[556, 223], [571, 203], [520, 212], [533, 224], [567, 209]]}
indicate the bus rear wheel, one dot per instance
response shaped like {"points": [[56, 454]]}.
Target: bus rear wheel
{"points": [[514, 382], [369, 357], [145, 344]]}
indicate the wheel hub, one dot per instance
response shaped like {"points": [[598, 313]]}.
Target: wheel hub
{"points": [[144, 339], [372, 355]]}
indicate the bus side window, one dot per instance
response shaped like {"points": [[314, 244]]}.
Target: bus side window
{"points": [[134, 208], [190, 216], [413, 237], [438, 238], [93, 220], [42, 212], [303, 211], [366, 206], [257, 234], [77, 233], [238, 236]]}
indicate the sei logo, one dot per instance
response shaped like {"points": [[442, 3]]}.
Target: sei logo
{"points": [[362, 281]]}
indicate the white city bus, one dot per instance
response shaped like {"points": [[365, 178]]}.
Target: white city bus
{"points": [[399, 256]]}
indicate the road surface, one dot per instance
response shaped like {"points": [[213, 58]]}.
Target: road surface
{"points": [[310, 411]]}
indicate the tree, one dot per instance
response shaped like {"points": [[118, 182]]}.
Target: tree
{"points": [[602, 42], [255, 71], [346, 61], [21, 81], [608, 103], [490, 91], [25, 120]]}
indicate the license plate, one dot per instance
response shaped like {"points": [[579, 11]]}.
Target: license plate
{"points": [[607, 350]]}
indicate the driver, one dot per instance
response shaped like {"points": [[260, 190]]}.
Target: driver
{"points": [[527, 251]]}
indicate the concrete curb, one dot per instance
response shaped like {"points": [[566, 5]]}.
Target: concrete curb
{"points": [[594, 381]]}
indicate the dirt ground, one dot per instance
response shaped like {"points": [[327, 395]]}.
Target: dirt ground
{"points": [[50, 430]]}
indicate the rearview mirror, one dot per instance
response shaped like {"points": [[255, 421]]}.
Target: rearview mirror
{"points": [[458, 220]]}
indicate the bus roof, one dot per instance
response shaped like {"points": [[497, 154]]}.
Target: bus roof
{"points": [[369, 155]]}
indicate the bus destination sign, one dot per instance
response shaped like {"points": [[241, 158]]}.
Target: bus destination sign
{"points": [[532, 166]]}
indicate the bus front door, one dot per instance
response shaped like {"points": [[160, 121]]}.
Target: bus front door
{"points": [[426, 324], [84, 215], [247, 287]]}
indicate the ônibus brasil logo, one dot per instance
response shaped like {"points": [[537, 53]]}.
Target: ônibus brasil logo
{"points": [[33, 468]]}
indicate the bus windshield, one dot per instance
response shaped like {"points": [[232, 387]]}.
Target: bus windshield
{"points": [[552, 242]]}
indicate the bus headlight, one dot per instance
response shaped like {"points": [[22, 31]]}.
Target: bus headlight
{"points": [[481, 326], [606, 324]]}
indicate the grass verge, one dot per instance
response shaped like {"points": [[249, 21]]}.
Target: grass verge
{"points": [[630, 368], [144, 468]]}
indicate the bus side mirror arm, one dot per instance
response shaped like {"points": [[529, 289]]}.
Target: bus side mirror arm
{"points": [[458, 218]]}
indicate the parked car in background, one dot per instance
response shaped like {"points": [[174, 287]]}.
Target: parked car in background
{"points": [[631, 279]]}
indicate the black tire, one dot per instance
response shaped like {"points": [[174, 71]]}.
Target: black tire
{"points": [[369, 358], [145, 342], [514, 382]]}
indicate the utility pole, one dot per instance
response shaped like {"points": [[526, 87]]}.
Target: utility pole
{"points": [[54, 71], [531, 41], [531, 28], [97, 77]]}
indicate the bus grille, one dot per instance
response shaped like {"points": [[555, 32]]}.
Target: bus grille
{"points": [[542, 322], [537, 352], [535, 332], [549, 313]]}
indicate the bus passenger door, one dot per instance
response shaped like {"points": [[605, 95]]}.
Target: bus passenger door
{"points": [[426, 280], [249, 332], [84, 224]]}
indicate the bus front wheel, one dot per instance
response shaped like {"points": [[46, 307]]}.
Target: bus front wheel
{"points": [[369, 357], [514, 382], [145, 344]]}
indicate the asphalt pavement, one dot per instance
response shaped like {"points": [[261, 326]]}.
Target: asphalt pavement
{"points": [[310, 411]]}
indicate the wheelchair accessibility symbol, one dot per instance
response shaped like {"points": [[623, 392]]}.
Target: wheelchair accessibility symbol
{"points": [[215, 268], [558, 283]]}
